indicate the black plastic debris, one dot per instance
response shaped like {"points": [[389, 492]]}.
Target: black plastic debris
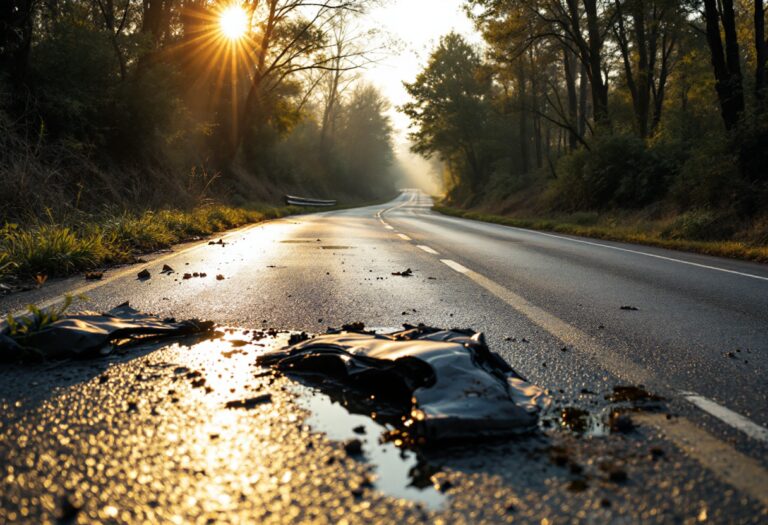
{"points": [[88, 334], [432, 384], [404, 273]]}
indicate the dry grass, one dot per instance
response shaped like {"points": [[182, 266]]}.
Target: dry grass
{"points": [[57, 250], [650, 233]]}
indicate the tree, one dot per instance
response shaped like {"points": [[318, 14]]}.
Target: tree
{"points": [[450, 109], [647, 32]]}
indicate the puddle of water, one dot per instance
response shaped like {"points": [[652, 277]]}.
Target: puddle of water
{"points": [[399, 472]]}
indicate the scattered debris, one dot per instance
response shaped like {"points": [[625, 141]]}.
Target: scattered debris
{"points": [[94, 276], [220, 242], [405, 273], [167, 270], [187, 276], [630, 308], [295, 339], [250, 403], [432, 384], [353, 447], [621, 423], [144, 275], [40, 280], [574, 419], [220, 277], [632, 394]]}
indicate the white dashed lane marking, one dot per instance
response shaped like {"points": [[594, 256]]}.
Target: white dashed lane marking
{"points": [[428, 249]]}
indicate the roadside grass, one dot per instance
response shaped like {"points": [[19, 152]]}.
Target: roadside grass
{"points": [[651, 234], [55, 250]]}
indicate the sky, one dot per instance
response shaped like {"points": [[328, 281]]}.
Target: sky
{"points": [[415, 26]]}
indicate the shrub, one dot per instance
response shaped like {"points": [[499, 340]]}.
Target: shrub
{"points": [[699, 225], [709, 178], [617, 170]]}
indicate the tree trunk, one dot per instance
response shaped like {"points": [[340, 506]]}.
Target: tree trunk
{"points": [[725, 61], [583, 96], [523, 121], [569, 65], [595, 46], [761, 50]]}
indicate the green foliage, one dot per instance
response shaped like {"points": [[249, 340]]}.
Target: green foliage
{"points": [[52, 250], [38, 319], [451, 109], [617, 170], [699, 225], [709, 177], [55, 250]]}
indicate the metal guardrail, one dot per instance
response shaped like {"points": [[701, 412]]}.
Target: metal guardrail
{"points": [[292, 200]]}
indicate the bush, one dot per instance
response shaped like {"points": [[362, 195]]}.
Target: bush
{"points": [[709, 178], [699, 225], [617, 171]]}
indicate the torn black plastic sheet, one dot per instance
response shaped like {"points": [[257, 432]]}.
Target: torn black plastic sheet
{"points": [[92, 334], [435, 385]]}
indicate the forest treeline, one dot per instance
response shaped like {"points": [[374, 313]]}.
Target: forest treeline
{"points": [[600, 105], [146, 103]]}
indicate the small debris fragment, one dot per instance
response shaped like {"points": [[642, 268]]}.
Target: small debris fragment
{"points": [[68, 510], [630, 308], [621, 423], [250, 403], [359, 430], [144, 275], [632, 394], [220, 242], [405, 273], [577, 485], [220, 277], [187, 276], [167, 269], [617, 475], [94, 276], [297, 338], [353, 327], [353, 447]]}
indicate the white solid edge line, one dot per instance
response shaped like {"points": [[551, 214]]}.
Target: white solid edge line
{"points": [[403, 236], [455, 266], [428, 249], [726, 415], [698, 265], [733, 419]]}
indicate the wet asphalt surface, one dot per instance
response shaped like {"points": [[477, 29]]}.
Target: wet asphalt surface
{"points": [[147, 436]]}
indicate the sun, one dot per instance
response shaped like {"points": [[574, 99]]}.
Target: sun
{"points": [[233, 22]]}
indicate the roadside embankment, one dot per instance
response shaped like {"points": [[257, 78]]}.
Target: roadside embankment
{"points": [[670, 232]]}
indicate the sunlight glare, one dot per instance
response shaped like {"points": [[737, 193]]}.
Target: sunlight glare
{"points": [[234, 22]]}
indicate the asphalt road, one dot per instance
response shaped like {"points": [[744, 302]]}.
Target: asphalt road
{"points": [[693, 329]]}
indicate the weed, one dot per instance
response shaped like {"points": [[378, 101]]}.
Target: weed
{"points": [[37, 319]]}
